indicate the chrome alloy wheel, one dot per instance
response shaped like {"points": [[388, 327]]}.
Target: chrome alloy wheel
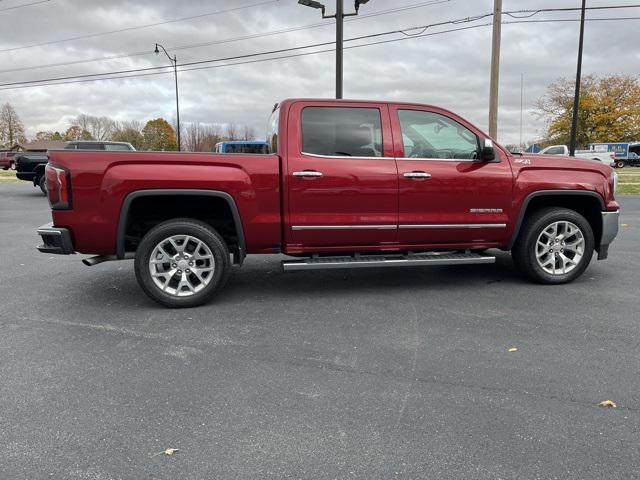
{"points": [[181, 265], [560, 248]]}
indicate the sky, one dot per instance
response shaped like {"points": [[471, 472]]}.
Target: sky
{"points": [[45, 39]]}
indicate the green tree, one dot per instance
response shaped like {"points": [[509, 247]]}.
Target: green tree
{"points": [[11, 127], [609, 110], [159, 135]]}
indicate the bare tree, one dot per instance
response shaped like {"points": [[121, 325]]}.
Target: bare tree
{"points": [[100, 128], [199, 137], [232, 132], [248, 133], [11, 128]]}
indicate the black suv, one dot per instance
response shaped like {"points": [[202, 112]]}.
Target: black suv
{"points": [[30, 166]]}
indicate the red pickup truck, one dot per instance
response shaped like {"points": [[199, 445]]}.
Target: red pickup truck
{"points": [[350, 184]]}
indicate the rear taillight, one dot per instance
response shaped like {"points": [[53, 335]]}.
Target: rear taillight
{"points": [[58, 187]]}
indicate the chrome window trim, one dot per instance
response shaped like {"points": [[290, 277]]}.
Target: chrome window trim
{"points": [[455, 225], [442, 159], [343, 227], [345, 156]]}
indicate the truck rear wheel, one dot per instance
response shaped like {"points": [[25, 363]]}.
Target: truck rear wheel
{"points": [[620, 163], [555, 246], [182, 263]]}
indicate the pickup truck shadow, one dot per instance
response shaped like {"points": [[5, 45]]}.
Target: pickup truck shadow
{"points": [[115, 283], [262, 277]]}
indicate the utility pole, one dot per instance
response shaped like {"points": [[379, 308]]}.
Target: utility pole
{"points": [[576, 99], [495, 69], [339, 16], [521, 107], [339, 45]]}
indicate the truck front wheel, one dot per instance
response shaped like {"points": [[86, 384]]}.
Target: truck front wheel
{"points": [[182, 263], [555, 246]]}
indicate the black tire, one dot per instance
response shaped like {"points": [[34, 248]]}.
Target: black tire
{"points": [[42, 183], [620, 163], [524, 250], [193, 228]]}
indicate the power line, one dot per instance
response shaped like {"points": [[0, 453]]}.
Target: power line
{"points": [[24, 5], [470, 27], [228, 40], [404, 31], [137, 27], [249, 55]]}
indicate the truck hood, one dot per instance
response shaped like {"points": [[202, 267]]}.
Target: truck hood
{"points": [[560, 162]]}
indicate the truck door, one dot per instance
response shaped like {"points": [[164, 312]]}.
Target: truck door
{"points": [[341, 177], [446, 195]]}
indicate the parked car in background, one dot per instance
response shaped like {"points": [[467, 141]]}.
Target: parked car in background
{"points": [[7, 160], [349, 184], [626, 153], [30, 166], [608, 158], [241, 146]]}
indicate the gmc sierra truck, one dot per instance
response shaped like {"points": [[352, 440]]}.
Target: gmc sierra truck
{"points": [[350, 184]]}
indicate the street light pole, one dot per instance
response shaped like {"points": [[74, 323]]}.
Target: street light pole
{"points": [[339, 16], [576, 98], [174, 62]]}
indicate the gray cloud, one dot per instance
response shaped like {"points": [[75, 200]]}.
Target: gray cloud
{"points": [[450, 70]]}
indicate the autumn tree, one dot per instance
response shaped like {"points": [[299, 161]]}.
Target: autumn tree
{"points": [[11, 128], [48, 136], [609, 110], [159, 135], [131, 132], [75, 132]]}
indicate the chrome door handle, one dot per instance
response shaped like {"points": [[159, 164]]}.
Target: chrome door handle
{"points": [[307, 173], [417, 175]]}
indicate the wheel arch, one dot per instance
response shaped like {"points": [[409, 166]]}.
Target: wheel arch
{"points": [[125, 210], [572, 199]]}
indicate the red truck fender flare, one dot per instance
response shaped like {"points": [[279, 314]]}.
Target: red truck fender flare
{"points": [[548, 193], [126, 204]]}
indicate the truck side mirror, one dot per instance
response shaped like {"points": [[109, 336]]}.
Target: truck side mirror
{"points": [[487, 152]]}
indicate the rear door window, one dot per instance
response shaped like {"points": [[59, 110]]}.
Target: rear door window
{"points": [[342, 132]]}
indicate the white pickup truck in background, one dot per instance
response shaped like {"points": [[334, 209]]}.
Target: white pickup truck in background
{"points": [[608, 158]]}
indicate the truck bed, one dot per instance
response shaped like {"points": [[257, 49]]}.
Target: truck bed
{"points": [[100, 182]]}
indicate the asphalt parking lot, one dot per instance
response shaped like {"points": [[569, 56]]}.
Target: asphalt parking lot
{"points": [[399, 373]]}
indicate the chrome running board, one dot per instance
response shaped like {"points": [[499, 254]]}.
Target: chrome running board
{"points": [[389, 260]]}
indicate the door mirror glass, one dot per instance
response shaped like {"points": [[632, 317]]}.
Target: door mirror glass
{"points": [[488, 153]]}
